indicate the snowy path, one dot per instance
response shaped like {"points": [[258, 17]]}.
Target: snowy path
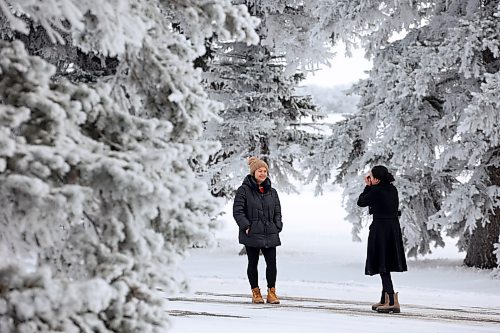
{"points": [[469, 315], [212, 312]]}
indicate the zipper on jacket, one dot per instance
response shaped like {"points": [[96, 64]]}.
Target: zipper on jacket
{"points": [[261, 197]]}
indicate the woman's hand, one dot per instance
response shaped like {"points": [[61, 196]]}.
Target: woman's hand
{"points": [[247, 231], [369, 180]]}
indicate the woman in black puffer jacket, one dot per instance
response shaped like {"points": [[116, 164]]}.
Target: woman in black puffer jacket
{"points": [[257, 212], [385, 252]]}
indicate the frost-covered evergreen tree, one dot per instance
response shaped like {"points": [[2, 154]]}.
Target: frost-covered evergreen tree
{"points": [[256, 83], [429, 111], [260, 116], [98, 196]]}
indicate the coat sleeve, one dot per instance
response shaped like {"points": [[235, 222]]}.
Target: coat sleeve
{"points": [[367, 197], [240, 202], [277, 212]]}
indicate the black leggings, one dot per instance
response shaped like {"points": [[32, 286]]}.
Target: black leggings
{"points": [[253, 261], [387, 283]]}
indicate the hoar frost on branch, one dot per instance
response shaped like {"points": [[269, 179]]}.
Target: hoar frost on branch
{"points": [[262, 112], [98, 197]]}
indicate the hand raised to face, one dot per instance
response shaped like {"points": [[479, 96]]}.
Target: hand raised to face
{"points": [[370, 180]]}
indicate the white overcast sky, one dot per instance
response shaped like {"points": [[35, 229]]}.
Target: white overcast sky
{"points": [[343, 70]]}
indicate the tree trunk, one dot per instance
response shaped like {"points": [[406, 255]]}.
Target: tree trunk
{"points": [[481, 245]]}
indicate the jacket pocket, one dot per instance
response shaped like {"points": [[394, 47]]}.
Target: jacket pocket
{"points": [[257, 227], [272, 228]]}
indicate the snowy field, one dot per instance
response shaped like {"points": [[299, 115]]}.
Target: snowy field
{"points": [[322, 285]]}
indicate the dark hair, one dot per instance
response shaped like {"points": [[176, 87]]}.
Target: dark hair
{"points": [[380, 172]]}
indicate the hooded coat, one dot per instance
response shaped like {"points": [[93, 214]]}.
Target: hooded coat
{"points": [[259, 211], [385, 251]]}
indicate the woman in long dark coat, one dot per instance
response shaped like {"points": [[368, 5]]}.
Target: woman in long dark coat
{"points": [[257, 212], [385, 252]]}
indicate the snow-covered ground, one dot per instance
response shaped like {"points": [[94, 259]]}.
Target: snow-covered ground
{"points": [[322, 284]]}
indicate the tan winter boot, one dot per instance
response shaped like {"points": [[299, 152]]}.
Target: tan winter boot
{"points": [[386, 308], [256, 296], [386, 302], [272, 298]]}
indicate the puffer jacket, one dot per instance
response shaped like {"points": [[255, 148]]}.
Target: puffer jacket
{"points": [[259, 211]]}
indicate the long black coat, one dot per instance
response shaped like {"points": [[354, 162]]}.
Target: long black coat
{"points": [[385, 242], [259, 211]]}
